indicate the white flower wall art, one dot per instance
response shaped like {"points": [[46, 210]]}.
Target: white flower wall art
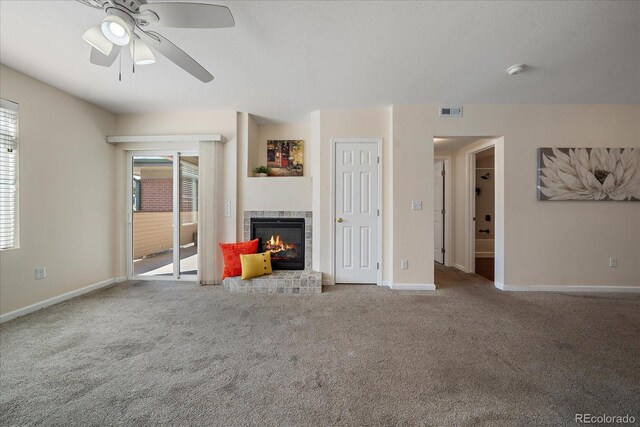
{"points": [[589, 174]]}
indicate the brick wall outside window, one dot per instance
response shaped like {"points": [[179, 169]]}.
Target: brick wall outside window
{"points": [[156, 195]]}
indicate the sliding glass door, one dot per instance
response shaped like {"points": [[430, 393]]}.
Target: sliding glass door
{"points": [[188, 215], [163, 215]]}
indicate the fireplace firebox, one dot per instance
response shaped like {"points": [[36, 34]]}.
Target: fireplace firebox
{"points": [[284, 237]]}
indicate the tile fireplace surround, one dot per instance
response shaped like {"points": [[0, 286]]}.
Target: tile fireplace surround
{"points": [[308, 228], [281, 281]]}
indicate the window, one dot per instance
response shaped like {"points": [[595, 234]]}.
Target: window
{"points": [[8, 175]]}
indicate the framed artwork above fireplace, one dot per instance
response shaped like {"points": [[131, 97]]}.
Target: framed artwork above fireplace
{"points": [[285, 157]]}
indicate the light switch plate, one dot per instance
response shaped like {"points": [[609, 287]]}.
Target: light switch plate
{"points": [[416, 205], [404, 264]]}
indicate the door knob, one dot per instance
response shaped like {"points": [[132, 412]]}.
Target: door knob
{"points": [[339, 220]]}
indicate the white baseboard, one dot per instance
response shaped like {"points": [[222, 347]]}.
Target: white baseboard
{"points": [[461, 268], [566, 288], [60, 298], [413, 286]]}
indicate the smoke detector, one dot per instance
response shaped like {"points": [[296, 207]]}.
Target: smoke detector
{"points": [[516, 69]]}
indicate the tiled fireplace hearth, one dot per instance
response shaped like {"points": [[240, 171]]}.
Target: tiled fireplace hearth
{"points": [[281, 281]]}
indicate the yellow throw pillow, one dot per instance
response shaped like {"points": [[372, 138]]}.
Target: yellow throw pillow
{"points": [[255, 265]]}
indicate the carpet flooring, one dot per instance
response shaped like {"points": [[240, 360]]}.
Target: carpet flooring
{"points": [[170, 353]]}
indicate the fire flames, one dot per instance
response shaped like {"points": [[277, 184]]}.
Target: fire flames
{"points": [[275, 244]]}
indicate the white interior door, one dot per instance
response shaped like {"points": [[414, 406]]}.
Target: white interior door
{"points": [[438, 211], [356, 212]]}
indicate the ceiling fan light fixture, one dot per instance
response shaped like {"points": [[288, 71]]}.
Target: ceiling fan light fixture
{"points": [[96, 39], [116, 30], [141, 53]]}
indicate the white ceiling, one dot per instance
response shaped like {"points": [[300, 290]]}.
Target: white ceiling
{"points": [[285, 59]]}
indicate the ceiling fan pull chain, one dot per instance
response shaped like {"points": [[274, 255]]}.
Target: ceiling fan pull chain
{"points": [[133, 53], [120, 68]]}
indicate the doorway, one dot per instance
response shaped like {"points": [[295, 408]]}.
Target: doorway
{"points": [[162, 232], [484, 215], [474, 204], [438, 211], [442, 213], [356, 210]]}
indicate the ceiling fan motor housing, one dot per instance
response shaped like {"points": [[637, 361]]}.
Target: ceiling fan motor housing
{"points": [[121, 14]]}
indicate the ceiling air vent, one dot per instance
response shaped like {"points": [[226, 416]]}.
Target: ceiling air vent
{"points": [[450, 111]]}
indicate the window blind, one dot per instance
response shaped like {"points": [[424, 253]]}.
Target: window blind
{"points": [[8, 174]]}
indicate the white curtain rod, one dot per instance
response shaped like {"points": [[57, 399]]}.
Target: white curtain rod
{"points": [[121, 139]]}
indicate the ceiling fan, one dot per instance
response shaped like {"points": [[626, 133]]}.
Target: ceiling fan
{"points": [[126, 25]]}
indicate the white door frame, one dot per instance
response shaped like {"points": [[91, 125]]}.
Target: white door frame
{"points": [[470, 231], [176, 213], [448, 213], [332, 235]]}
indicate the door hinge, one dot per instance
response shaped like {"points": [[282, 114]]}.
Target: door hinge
{"points": [[378, 159], [443, 173], [378, 212], [442, 250], [377, 266], [443, 211]]}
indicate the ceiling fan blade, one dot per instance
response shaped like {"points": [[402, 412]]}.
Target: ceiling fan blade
{"points": [[191, 15], [96, 4], [175, 54], [98, 58]]}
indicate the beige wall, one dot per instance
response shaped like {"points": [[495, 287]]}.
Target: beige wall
{"points": [[311, 192], [270, 193], [412, 180], [67, 193], [545, 243], [373, 123], [556, 250]]}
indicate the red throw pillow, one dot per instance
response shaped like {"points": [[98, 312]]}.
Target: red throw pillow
{"points": [[231, 253]]}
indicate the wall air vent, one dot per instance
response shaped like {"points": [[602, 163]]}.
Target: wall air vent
{"points": [[450, 111]]}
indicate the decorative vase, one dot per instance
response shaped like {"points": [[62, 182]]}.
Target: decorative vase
{"points": [[261, 174]]}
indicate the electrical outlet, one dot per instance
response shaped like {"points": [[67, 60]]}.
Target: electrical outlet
{"points": [[416, 205], [613, 262], [404, 264], [41, 273], [227, 209]]}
